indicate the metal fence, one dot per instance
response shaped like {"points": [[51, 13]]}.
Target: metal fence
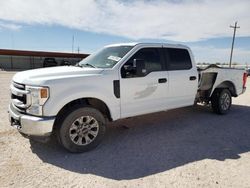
{"points": [[30, 62]]}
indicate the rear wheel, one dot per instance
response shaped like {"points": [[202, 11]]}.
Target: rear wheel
{"points": [[82, 129], [221, 101]]}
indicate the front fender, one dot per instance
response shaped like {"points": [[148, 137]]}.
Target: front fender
{"points": [[60, 97]]}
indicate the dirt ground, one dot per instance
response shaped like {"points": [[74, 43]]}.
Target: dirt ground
{"points": [[188, 147]]}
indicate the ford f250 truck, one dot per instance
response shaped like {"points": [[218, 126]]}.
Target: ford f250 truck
{"points": [[119, 81]]}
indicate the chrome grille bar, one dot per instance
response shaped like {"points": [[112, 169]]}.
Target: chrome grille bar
{"points": [[17, 91], [19, 86], [19, 103]]}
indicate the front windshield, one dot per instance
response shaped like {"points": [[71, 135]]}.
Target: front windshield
{"points": [[106, 57]]}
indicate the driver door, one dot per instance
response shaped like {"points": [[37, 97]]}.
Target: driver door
{"points": [[141, 94]]}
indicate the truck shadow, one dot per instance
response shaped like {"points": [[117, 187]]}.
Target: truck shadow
{"points": [[158, 142]]}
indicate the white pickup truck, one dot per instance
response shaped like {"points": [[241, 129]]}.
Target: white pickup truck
{"points": [[119, 81]]}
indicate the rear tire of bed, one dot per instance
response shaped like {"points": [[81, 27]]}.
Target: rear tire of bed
{"points": [[221, 101]]}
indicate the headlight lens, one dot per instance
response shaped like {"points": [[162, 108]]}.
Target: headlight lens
{"points": [[37, 96]]}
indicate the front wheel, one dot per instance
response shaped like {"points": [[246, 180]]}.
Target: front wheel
{"points": [[82, 129], [221, 101]]}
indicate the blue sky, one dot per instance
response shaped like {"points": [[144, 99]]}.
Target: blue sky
{"points": [[201, 24]]}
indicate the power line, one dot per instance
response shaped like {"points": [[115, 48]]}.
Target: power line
{"points": [[231, 55]]}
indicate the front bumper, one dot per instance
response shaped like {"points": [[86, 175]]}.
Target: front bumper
{"points": [[30, 125]]}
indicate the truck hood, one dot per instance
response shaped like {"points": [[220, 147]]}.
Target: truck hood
{"points": [[45, 75]]}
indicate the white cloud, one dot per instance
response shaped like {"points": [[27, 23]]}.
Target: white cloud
{"points": [[9, 26], [180, 21]]}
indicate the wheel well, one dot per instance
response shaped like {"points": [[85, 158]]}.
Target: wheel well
{"points": [[93, 102], [228, 85]]}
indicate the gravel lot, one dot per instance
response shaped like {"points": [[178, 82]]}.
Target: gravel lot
{"points": [[188, 147]]}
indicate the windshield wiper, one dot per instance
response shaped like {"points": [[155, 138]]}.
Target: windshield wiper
{"points": [[85, 65], [89, 65]]}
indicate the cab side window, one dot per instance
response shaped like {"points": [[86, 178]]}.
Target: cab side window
{"points": [[151, 58], [177, 59]]}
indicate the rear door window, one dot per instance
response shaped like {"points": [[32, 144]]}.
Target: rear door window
{"points": [[177, 59]]}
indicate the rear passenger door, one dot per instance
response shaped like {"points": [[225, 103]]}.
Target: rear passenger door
{"points": [[183, 77]]}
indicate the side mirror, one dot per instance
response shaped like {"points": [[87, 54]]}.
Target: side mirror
{"points": [[139, 65]]}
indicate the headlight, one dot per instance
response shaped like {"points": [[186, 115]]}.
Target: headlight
{"points": [[37, 96]]}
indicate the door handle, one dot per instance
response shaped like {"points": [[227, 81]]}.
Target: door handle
{"points": [[162, 80], [192, 78]]}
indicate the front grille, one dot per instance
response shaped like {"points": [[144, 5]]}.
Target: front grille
{"points": [[19, 96]]}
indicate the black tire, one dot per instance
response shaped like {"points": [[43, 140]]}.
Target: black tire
{"points": [[220, 104], [65, 136]]}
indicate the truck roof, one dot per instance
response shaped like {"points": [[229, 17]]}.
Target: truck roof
{"points": [[147, 43]]}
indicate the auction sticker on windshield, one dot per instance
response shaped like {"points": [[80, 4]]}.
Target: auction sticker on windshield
{"points": [[114, 58]]}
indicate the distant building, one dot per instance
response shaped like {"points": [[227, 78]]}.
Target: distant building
{"points": [[19, 59]]}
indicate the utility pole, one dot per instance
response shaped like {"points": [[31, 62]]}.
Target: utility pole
{"points": [[73, 41], [231, 55]]}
